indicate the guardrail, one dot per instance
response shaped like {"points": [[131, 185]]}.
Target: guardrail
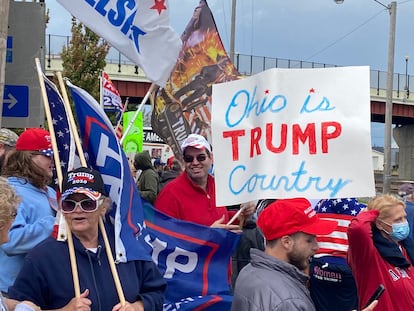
{"points": [[245, 64]]}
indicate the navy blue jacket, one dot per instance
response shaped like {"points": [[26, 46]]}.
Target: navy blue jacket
{"points": [[46, 278]]}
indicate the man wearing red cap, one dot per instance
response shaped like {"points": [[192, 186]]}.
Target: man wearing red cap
{"points": [[290, 227], [29, 171], [274, 280]]}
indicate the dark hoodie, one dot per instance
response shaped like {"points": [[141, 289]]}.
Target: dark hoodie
{"points": [[148, 180]]}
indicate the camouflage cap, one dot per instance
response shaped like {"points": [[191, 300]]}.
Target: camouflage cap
{"points": [[8, 137]]}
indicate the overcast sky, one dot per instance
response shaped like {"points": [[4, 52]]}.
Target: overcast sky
{"points": [[353, 33]]}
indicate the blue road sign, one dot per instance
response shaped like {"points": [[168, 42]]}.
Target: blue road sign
{"points": [[16, 101]]}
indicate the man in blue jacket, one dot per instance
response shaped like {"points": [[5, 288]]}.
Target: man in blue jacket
{"points": [[46, 276]]}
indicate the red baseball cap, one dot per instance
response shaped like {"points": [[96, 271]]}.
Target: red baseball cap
{"points": [[288, 216], [35, 139]]}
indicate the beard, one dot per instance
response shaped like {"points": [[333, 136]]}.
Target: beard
{"points": [[298, 260]]}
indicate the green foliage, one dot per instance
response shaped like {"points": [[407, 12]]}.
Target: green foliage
{"points": [[84, 59]]}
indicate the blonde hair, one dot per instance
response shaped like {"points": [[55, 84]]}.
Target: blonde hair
{"points": [[9, 201], [385, 204]]}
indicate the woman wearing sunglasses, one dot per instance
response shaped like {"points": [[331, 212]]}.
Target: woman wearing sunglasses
{"points": [[29, 171], [46, 277]]}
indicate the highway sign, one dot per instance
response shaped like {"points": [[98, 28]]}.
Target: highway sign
{"points": [[16, 101]]}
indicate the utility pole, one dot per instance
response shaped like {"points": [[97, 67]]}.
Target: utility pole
{"points": [[4, 23], [232, 29], [392, 8]]}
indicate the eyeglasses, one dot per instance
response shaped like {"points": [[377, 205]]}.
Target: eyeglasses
{"points": [[87, 206], [190, 158]]}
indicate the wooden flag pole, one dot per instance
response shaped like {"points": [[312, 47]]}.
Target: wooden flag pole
{"points": [[72, 123], [56, 157], [84, 164]]}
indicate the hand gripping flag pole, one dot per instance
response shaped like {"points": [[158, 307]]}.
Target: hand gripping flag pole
{"points": [[56, 157], [101, 224]]}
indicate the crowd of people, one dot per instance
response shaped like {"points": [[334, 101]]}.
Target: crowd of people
{"points": [[292, 255]]}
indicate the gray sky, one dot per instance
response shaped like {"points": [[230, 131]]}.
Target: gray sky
{"points": [[353, 33]]}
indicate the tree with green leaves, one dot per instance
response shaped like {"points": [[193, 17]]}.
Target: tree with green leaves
{"points": [[83, 59]]}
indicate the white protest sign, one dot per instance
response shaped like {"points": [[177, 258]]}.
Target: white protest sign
{"points": [[286, 133]]}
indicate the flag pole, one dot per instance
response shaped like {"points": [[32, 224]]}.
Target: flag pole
{"points": [[72, 123], [101, 103], [122, 112], [131, 122], [56, 157], [101, 224]]}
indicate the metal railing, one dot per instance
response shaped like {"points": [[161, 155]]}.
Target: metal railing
{"points": [[245, 64]]}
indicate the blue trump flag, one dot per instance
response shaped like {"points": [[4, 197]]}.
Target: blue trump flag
{"points": [[194, 260], [103, 153]]}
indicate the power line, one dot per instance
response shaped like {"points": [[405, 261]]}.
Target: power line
{"points": [[344, 36]]}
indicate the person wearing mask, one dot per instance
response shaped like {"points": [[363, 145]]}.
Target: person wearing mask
{"points": [[29, 171], [46, 276], [275, 280], [380, 252]]}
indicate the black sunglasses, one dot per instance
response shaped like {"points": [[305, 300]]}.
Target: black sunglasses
{"points": [[190, 158], [87, 205]]}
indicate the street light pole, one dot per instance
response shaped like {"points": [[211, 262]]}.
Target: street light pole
{"points": [[232, 29], [407, 83], [392, 8]]}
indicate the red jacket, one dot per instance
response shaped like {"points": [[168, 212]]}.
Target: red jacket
{"points": [[184, 200], [370, 269]]}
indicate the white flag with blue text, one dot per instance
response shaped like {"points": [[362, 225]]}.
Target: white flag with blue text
{"points": [[139, 29]]}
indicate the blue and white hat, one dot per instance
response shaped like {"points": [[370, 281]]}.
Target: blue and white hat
{"points": [[83, 180]]}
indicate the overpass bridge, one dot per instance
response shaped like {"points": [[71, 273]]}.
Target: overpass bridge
{"points": [[131, 82]]}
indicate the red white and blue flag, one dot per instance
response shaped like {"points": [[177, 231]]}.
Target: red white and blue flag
{"points": [[194, 261], [64, 137], [65, 144], [111, 98], [342, 211], [105, 154], [139, 29]]}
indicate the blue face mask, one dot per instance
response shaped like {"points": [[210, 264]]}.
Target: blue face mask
{"points": [[400, 231]]}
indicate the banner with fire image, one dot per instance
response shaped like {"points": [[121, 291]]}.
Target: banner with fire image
{"points": [[184, 105]]}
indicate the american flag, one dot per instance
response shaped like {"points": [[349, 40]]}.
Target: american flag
{"points": [[118, 131], [65, 145], [64, 137], [342, 211]]}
